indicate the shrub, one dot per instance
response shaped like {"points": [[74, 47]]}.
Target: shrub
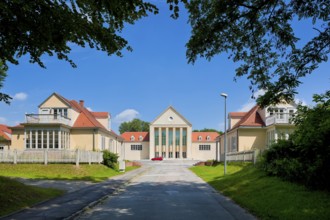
{"points": [[110, 159], [305, 157]]}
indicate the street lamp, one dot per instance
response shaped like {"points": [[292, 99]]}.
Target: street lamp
{"points": [[225, 140]]}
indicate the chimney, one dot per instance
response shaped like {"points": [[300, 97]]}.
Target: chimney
{"points": [[81, 103]]}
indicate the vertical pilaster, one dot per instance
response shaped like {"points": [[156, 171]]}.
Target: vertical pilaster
{"points": [[159, 141], [59, 140]]}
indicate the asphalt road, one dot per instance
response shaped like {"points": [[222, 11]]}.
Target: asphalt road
{"points": [[167, 190]]}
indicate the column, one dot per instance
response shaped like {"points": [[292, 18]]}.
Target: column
{"points": [[59, 140], [173, 146], [30, 139], [42, 139], [180, 156], [36, 135], [47, 139], [167, 144]]}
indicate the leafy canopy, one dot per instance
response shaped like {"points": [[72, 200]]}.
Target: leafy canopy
{"points": [[258, 34], [134, 125], [207, 130]]}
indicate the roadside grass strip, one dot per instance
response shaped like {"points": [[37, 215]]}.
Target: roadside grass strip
{"points": [[266, 197], [15, 195], [85, 172]]}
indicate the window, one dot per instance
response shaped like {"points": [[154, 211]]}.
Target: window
{"points": [[177, 137], [132, 138], [170, 154], [208, 138], [184, 154], [61, 111], [233, 144], [184, 137], [170, 137], [163, 136], [47, 139], [136, 147], [140, 138], [102, 142], [156, 154], [199, 138], [177, 154], [163, 154], [156, 136], [204, 147]]}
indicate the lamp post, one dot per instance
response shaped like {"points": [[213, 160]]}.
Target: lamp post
{"points": [[225, 140]]}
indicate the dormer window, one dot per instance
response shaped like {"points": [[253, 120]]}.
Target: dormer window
{"points": [[140, 138], [132, 138], [199, 138], [208, 138]]}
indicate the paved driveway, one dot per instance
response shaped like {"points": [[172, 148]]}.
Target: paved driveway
{"points": [[167, 190]]}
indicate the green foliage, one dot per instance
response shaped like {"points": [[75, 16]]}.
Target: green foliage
{"points": [[208, 130], [259, 35], [305, 157], [264, 196], [3, 97], [134, 125], [16, 195], [110, 159]]}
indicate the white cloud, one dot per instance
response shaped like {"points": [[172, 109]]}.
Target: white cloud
{"points": [[126, 115], [20, 96], [89, 109], [3, 120], [251, 102]]}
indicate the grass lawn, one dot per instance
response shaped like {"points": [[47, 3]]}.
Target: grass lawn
{"points": [[15, 195], [266, 197], [94, 172]]}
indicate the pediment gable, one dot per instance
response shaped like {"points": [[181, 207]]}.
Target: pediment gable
{"points": [[170, 117], [55, 101]]}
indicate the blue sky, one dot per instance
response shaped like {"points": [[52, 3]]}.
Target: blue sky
{"points": [[144, 82]]}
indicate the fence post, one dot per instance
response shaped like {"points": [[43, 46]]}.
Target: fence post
{"points": [[89, 157], [255, 154], [46, 156], [15, 156], [77, 157]]}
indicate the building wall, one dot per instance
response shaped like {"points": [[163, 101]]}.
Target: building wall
{"points": [[104, 122], [233, 121], [136, 154], [251, 139], [17, 139], [52, 102], [82, 139], [203, 154]]}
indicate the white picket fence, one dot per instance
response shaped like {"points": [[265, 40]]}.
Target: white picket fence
{"points": [[50, 156], [250, 155]]}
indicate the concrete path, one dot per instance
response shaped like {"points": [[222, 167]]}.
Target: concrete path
{"points": [[71, 204], [168, 190]]}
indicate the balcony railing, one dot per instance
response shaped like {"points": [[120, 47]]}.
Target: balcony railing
{"points": [[279, 118], [47, 119]]}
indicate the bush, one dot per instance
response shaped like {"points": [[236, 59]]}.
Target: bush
{"points": [[305, 157], [110, 159]]}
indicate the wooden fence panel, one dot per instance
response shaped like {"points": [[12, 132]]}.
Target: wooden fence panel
{"points": [[50, 156]]}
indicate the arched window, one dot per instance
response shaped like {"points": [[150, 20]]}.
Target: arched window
{"points": [[132, 138], [208, 138], [140, 138], [199, 138]]}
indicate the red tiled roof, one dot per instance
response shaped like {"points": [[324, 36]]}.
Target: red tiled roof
{"points": [[127, 136], [213, 136], [250, 119], [100, 114], [237, 114], [85, 118], [4, 130]]}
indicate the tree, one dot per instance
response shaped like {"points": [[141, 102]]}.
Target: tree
{"points": [[134, 125], [50, 27], [3, 97], [305, 157], [259, 35], [207, 130]]}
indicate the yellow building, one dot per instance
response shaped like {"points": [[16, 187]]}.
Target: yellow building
{"points": [[66, 124], [170, 136], [258, 128]]}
